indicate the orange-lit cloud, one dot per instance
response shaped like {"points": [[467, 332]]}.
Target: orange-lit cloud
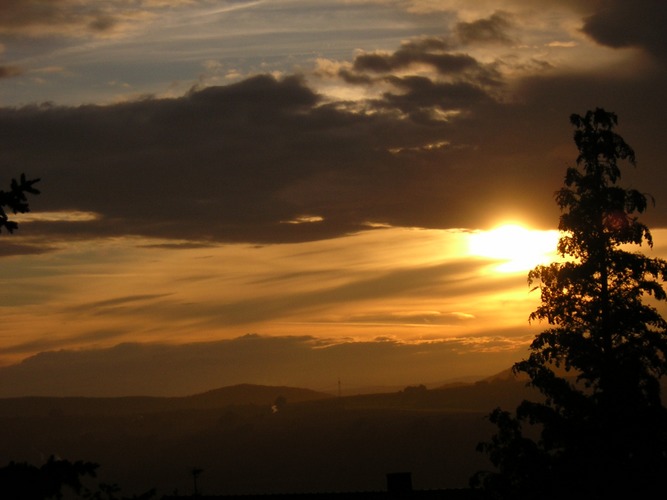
{"points": [[412, 284]]}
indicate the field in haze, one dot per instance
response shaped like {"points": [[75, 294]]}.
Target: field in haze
{"points": [[316, 442]]}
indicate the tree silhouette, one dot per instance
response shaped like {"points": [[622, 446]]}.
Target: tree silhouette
{"points": [[15, 201], [601, 429], [57, 479], [22, 481], [196, 472]]}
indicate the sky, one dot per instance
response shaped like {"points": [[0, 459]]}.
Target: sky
{"points": [[319, 180]]}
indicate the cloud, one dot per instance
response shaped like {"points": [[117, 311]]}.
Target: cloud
{"points": [[67, 17], [423, 98], [112, 306], [231, 163], [489, 30], [9, 71], [48, 344], [435, 52], [11, 248], [439, 138], [412, 318], [398, 283], [223, 163], [182, 245], [617, 23], [81, 18]]}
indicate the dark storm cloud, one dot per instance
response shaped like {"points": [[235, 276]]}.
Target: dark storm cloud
{"points": [[9, 248], [431, 51], [10, 71], [244, 162], [203, 166], [64, 17], [26, 12], [227, 163], [440, 52], [420, 95], [444, 63], [640, 23], [492, 29], [443, 53]]}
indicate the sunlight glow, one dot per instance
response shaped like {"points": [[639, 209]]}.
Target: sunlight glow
{"points": [[518, 248]]}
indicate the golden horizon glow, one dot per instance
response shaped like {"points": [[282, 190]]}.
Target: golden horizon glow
{"points": [[517, 247], [56, 216], [410, 286]]}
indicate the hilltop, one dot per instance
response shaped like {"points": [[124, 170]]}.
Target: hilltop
{"points": [[236, 395]]}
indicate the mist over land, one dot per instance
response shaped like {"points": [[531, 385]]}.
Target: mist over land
{"points": [[179, 370]]}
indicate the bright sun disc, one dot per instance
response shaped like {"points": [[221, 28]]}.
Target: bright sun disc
{"points": [[519, 248]]}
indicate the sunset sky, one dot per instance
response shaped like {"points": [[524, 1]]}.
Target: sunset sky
{"points": [[309, 178]]}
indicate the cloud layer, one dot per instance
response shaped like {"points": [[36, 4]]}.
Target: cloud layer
{"points": [[442, 131], [267, 160]]}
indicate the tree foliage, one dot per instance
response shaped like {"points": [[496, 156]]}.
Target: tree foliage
{"points": [[58, 479], [601, 428], [22, 481], [15, 201]]}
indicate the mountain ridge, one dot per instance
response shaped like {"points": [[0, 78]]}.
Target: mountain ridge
{"points": [[234, 395], [138, 369], [502, 389]]}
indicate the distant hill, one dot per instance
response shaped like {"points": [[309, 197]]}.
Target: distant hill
{"points": [[242, 394], [503, 389], [165, 370]]}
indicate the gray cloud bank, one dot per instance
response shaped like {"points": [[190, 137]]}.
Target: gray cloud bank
{"points": [[170, 370], [238, 162], [438, 149], [618, 23]]}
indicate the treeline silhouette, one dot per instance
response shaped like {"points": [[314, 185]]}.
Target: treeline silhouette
{"points": [[55, 479]]}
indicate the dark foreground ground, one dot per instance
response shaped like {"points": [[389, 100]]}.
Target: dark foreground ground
{"points": [[312, 444]]}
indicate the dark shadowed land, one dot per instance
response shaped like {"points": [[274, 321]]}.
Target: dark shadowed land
{"points": [[251, 439]]}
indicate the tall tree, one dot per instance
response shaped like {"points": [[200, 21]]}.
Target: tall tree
{"points": [[15, 201], [600, 430]]}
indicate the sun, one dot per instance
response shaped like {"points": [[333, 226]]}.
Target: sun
{"points": [[515, 247]]}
